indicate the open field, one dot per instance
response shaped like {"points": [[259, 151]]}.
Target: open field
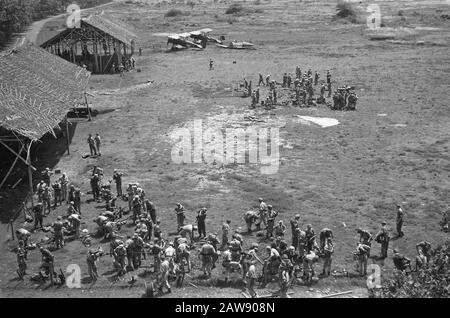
{"points": [[341, 177]]}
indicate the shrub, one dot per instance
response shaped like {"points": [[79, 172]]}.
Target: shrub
{"points": [[173, 13], [235, 8], [345, 10], [430, 281]]}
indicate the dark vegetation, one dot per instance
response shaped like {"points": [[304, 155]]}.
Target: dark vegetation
{"points": [[347, 11], [16, 15], [432, 281], [174, 13]]}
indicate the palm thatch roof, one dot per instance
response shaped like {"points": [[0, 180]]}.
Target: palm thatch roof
{"points": [[103, 24], [114, 28], [37, 89]]}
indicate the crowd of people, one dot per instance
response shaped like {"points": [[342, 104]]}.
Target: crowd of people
{"points": [[298, 90], [279, 261]]}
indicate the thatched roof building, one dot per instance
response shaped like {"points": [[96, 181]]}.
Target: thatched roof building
{"points": [[98, 42], [37, 89]]}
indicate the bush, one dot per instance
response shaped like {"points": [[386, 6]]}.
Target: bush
{"points": [[235, 8], [432, 280], [173, 13], [347, 11]]}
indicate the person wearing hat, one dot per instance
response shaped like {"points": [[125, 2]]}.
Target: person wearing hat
{"points": [[46, 175], [324, 235], [280, 229], [262, 215], [272, 214], [91, 143], [164, 274], [362, 255], [207, 254], [383, 238], [179, 210], [48, 260], [71, 209], [225, 232], [310, 238], [57, 193], [40, 189], [157, 230], [64, 181], [117, 177], [38, 211], [201, 222], [120, 254], [58, 228], [91, 260], [95, 187], [86, 239], [138, 249], [71, 194], [136, 206], [47, 200], [21, 259], [98, 143], [328, 250], [169, 254], [399, 221], [401, 262], [250, 218], [273, 262], [295, 224]]}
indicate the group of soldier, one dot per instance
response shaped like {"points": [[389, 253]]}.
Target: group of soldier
{"points": [[280, 261], [300, 89], [344, 98]]}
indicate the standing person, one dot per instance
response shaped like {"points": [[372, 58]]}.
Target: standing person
{"points": [[225, 231], [157, 232], [21, 257], [310, 238], [164, 272], [71, 194], [46, 199], [77, 201], [324, 235], [316, 78], [91, 143], [211, 64], [383, 238], [58, 193], [272, 214], [64, 181], [91, 260], [48, 260], [58, 230], [95, 187], [98, 143], [328, 251], [117, 177], [151, 210], [261, 80], [46, 175], [262, 213], [400, 215], [361, 253], [201, 222], [179, 210], [295, 224]]}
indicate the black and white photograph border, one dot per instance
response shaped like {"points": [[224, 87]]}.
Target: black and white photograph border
{"points": [[237, 150]]}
